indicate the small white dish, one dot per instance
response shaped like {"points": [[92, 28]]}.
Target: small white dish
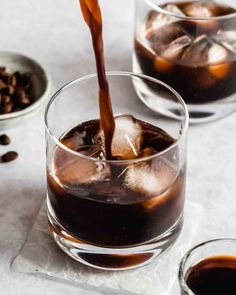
{"points": [[41, 84]]}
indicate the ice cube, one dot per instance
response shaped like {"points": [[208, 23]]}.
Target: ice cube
{"points": [[173, 9], [217, 54], [205, 62], [166, 34], [73, 142], [203, 51], [166, 60], [160, 40], [168, 42], [202, 9], [176, 48], [72, 169], [227, 39], [127, 138], [113, 192], [151, 178], [157, 20]]}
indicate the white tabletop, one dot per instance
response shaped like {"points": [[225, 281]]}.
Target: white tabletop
{"points": [[53, 33]]}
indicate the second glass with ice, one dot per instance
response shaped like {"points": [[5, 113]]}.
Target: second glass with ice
{"points": [[191, 45]]}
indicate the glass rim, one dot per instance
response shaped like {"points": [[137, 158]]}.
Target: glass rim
{"points": [[183, 261], [161, 10], [120, 74]]}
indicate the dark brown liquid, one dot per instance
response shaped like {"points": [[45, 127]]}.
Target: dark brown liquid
{"points": [[197, 58], [116, 204], [92, 15], [213, 276]]}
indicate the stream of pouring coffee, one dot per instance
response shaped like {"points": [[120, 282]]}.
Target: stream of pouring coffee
{"points": [[92, 15]]}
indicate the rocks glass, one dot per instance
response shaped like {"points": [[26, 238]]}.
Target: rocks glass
{"points": [[190, 45], [121, 213]]}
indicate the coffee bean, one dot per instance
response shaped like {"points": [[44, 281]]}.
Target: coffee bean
{"points": [[9, 156], [6, 98], [2, 85], [10, 90], [24, 100], [20, 94], [8, 107], [16, 91], [4, 139], [13, 81]]}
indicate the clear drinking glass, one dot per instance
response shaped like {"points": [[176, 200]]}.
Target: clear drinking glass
{"points": [[213, 248], [194, 55], [115, 214]]}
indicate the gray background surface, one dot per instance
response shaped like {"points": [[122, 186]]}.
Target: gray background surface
{"points": [[53, 33]]}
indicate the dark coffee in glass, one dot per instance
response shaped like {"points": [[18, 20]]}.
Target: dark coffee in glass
{"points": [[190, 45], [213, 276], [209, 269], [116, 205]]}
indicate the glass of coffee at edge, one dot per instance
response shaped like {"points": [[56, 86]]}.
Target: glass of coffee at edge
{"points": [[120, 213], [190, 45], [209, 269]]}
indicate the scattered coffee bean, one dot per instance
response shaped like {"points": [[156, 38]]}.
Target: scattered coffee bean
{"points": [[16, 91], [10, 156], [4, 139]]}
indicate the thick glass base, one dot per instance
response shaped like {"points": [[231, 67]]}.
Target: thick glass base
{"points": [[198, 113], [113, 258]]}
